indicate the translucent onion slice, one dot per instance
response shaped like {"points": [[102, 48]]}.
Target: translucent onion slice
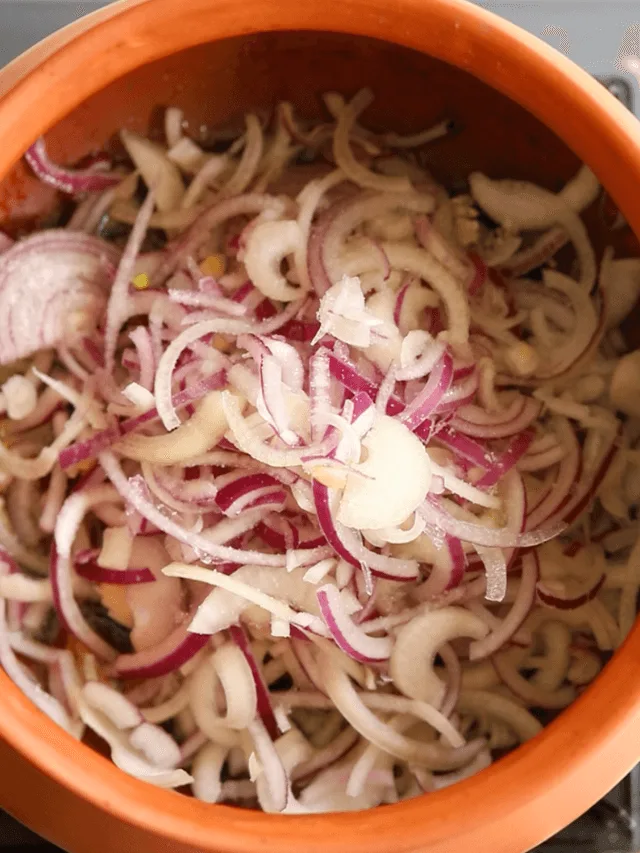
{"points": [[435, 756], [200, 433], [351, 639], [159, 173], [416, 646]]}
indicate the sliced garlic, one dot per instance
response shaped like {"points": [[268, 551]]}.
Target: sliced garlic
{"points": [[385, 489]]}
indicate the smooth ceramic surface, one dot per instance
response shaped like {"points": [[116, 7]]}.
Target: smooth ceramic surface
{"points": [[88, 81]]}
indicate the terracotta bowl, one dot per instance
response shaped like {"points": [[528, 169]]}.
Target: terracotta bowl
{"points": [[523, 109]]}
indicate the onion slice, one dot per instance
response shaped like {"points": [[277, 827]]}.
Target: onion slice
{"points": [[513, 620], [91, 571], [418, 642], [52, 288], [351, 639], [71, 181], [265, 708]]}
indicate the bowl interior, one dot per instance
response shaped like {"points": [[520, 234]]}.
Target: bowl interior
{"points": [[215, 84]]}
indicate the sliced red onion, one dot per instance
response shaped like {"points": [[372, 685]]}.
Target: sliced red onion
{"points": [[588, 488], [460, 394], [265, 499], [347, 635], [327, 756], [433, 321], [319, 392], [474, 421], [265, 708], [402, 292], [192, 334], [52, 288], [367, 596], [484, 536], [495, 569], [299, 331], [183, 495], [348, 544], [272, 784], [68, 611], [568, 474], [420, 354], [243, 292], [72, 181], [462, 370], [49, 402], [447, 571], [431, 395], [118, 708], [288, 358], [271, 403], [213, 301], [552, 597], [134, 492], [243, 486], [265, 310], [386, 390], [465, 448], [348, 375], [91, 571], [317, 271], [542, 460], [168, 656], [507, 460], [536, 255], [89, 448], [278, 540], [16, 610], [429, 237]]}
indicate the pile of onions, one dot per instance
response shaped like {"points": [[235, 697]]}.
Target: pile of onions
{"points": [[325, 486]]}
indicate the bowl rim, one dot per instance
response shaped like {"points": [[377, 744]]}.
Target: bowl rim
{"points": [[545, 783]]}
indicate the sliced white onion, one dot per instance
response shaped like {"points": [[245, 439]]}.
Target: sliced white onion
{"points": [[159, 173], [432, 755], [268, 245], [200, 433], [485, 702], [206, 770], [343, 154], [224, 605], [417, 644]]}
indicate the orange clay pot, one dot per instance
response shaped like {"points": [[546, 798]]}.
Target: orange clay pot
{"points": [[116, 68]]}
